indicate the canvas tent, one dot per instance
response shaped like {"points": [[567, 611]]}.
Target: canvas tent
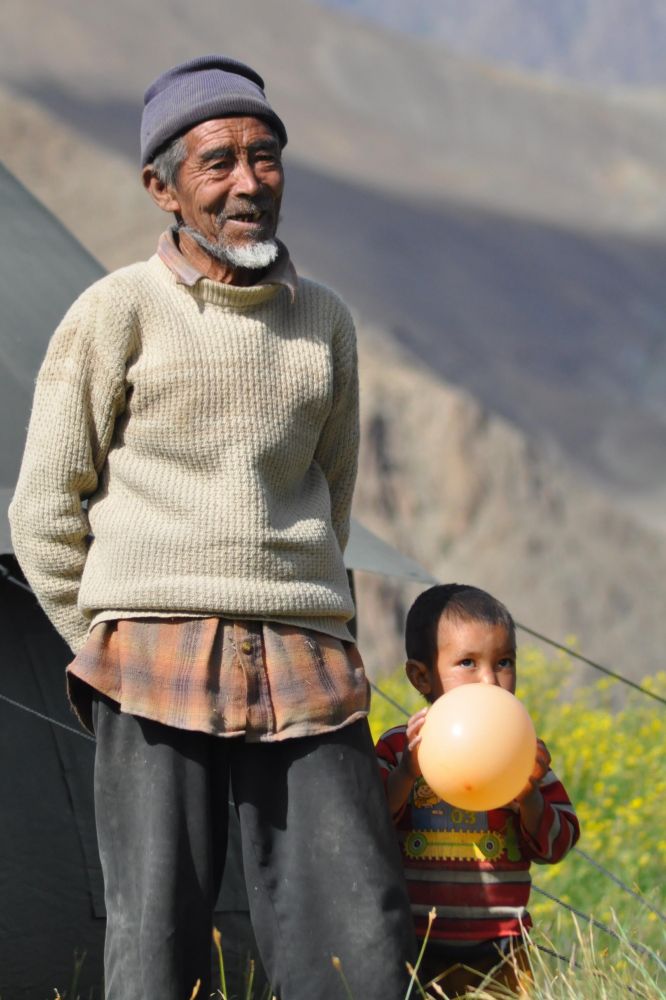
{"points": [[51, 896], [50, 882]]}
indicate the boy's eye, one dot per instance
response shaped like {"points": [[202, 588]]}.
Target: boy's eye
{"points": [[506, 664], [467, 662]]}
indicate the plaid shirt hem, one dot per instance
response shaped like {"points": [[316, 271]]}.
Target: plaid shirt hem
{"points": [[261, 680]]}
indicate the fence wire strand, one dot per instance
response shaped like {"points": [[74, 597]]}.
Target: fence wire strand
{"points": [[640, 948]]}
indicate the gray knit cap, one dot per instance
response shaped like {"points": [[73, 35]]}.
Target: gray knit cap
{"points": [[195, 91]]}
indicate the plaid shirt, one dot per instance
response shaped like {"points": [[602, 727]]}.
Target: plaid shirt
{"points": [[261, 679], [265, 680]]}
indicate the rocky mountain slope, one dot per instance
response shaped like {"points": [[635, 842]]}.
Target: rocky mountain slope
{"points": [[461, 490]]}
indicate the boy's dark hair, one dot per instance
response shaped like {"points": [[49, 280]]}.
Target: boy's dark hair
{"points": [[455, 601]]}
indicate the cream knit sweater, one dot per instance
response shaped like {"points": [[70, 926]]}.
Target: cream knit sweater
{"points": [[214, 430]]}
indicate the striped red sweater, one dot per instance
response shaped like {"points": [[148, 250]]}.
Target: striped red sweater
{"points": [[473, 867]]}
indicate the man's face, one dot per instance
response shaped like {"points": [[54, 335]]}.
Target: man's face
{"points": [[229, 187]]}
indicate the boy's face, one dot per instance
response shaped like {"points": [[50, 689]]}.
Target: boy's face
{"points": [[468, 652]]}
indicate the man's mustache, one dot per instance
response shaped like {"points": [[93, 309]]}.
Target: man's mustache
{"points": [[258, 206]]}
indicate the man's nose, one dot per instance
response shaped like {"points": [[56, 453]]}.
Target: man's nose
{"points": [[246, 180]]}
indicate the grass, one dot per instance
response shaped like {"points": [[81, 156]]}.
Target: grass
{"points": [[594, 968], [592, 971]]}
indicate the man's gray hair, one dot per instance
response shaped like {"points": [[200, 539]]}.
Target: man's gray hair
{"points": [[168, 161]]}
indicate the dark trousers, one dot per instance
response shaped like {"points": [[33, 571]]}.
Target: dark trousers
{"points": [[322, 868]]}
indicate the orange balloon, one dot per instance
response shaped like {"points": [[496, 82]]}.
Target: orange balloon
{"points": [[477, 747]]}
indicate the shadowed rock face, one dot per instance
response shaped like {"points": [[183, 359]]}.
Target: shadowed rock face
{"points": [[558, 331], [476, 501]]}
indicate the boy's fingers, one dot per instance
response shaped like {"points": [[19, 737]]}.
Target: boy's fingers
{"points": [[415, 724]]}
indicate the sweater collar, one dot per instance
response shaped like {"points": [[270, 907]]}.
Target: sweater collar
{"points": [[282, 272]]}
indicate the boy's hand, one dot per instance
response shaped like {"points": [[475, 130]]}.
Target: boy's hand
{"points": [[530, 802], [400, 781], [410, 759], [540, 769]]}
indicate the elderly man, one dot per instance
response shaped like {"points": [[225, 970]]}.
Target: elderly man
{"points": [[204, 403]]}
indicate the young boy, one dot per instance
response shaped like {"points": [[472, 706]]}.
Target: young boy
{"points": [[473, 867]]}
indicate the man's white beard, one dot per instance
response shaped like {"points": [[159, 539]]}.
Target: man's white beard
{"points": [[252, 256]]}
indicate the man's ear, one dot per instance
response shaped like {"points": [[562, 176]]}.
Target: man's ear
{"points": [[419, 677], [163, 195]]}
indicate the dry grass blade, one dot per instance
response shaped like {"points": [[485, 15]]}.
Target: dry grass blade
{"points": [[217, 941], [337, 965]]}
